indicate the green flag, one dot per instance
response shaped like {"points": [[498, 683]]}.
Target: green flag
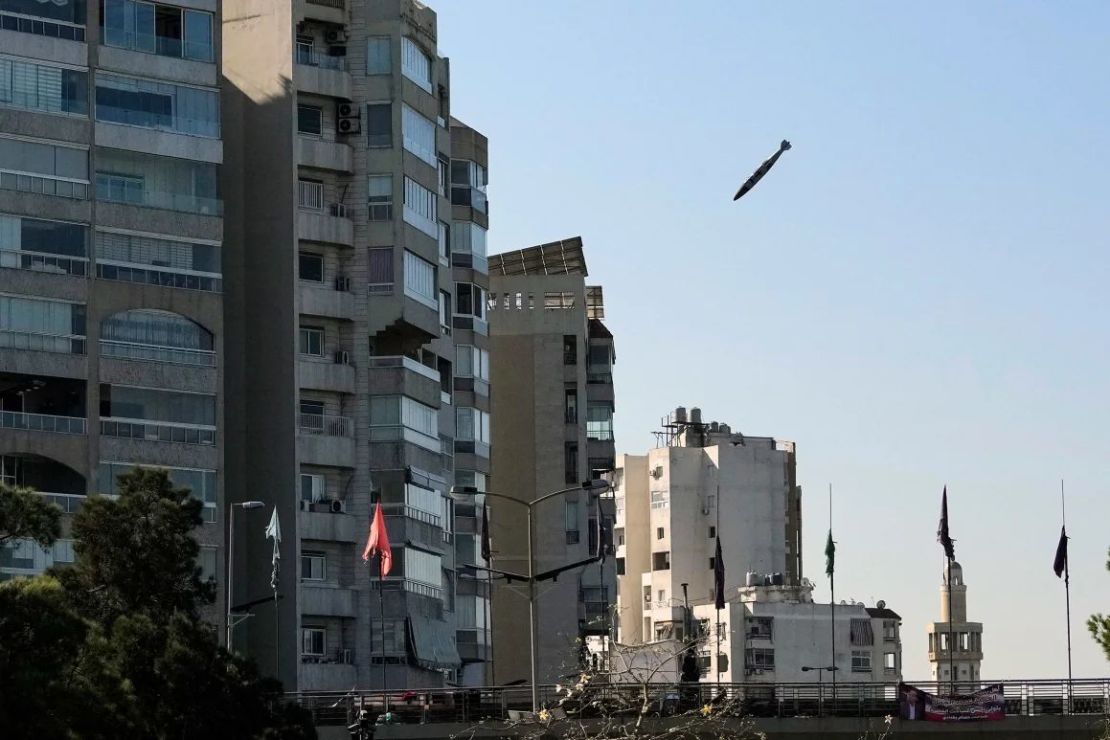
{"points": [[830, 555]]}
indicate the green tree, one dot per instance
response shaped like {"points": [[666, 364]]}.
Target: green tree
{"points": [[136, 554], [1099, 625], [25, 514]]}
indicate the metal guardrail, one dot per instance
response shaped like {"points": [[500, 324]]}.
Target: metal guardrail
{"points": [[1090, 697]]}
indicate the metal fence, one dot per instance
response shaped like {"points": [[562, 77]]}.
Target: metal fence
{"points": [[463, 705]]}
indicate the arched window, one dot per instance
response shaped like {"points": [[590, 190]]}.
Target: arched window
{"points": [[157, 336]]}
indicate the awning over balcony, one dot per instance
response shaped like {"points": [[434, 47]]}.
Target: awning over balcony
{"points": [[433, 643]]}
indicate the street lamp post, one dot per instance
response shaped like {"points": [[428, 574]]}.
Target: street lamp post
{"points": [[231, 556], [820, 673], [593, 486]]}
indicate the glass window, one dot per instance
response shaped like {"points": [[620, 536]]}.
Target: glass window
{"points": [[314, 566], [158, 29], [310, 120], [201, 483], [155, 404], [419, 135], [468, 237], [25, 84], [310, 267], [22, 233], [313, 641], [599, 421], [421, 208], [444, 243], [420, 279], [198, 35], [861, 661], [312, 341], [158, 105], [36, 158], [159, 182], [570, 462], [423, 567], [378, 59], [415, 64], [379, 190], [379, 124], [171, 263], [313, 487], [36, 316], [661, 561], [381, 270], [470, 300], [156, 328], [69, 12]]}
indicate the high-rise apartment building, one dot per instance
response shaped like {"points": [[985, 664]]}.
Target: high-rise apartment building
{"points": [[361, 363], [111, 237], [552, 429], [704, 481]]}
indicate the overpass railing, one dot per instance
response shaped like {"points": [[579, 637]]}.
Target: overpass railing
{"points": [[1025, 697]]}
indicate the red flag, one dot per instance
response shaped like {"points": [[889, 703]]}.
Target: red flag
{"points": [[379, 542]]}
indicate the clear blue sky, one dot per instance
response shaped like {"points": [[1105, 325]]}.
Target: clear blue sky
{"points": [[916, 295]]}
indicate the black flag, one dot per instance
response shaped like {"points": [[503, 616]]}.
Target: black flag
{"points": [[943, 537], [719, 578], [761, 171], [1060, 564], [485, 534]]}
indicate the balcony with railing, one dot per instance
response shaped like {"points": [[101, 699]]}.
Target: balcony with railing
{"points": [[41, 342], [55, 29], [39, 403], [402, 375], [326, 440], [158, 431], [320, 221], [321, 74]]}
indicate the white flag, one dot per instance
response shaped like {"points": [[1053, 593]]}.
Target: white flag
{"points": [[273, 529]]}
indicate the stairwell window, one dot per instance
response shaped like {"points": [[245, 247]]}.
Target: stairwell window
{"points": [[420, 280], [419, 135], [421, 208], [379, 195], [415, 64]]}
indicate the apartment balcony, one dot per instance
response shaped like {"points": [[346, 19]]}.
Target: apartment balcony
{"points": [[327, 601], [150, 373], [329, 527], [54, 481], [334, 300], [334, 374], [42, 262], [324, 155], [327, 226], [312, 676], [399, 375], [597, 392], [325, 11], [321, 74], [60, 438], [326, 440], [23, 354]]}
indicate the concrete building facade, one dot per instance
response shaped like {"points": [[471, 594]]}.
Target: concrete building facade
{"points": [[359, 288], [112, 336], [553, 408], [703, 482], [954, 642]]}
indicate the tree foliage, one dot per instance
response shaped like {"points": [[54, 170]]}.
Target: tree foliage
{"points": [[25, 514], [1099, 625], [114, 645]]}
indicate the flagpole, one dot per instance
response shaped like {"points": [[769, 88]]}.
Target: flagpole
{"points": [[832, 608], [381, 616], [951, 634], [1067, 584]]}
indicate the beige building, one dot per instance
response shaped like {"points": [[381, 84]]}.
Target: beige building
{"points": [[704, 481], [358, 316], [965, 653], [552, 429], [111, 241]]}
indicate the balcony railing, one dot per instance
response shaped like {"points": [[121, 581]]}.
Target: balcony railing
{"points": [[151, 431], [326, 424], [69, 503], [152, 353], [328, 3], [309, 57], [66, 345], [43, 185], [406, 362], [131, 273], [42, 422], [43, 262]]}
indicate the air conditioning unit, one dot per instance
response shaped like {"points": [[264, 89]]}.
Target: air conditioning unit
{"points": [[343, 284], [337, 506], [334, 36], [342, 357], [348, 118]]}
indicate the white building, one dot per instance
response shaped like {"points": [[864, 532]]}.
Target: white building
{"points": [[702, 482], [770, 632], [967, 658]]}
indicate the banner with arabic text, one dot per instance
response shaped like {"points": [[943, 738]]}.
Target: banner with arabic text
{"points": [[987, 704]]}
